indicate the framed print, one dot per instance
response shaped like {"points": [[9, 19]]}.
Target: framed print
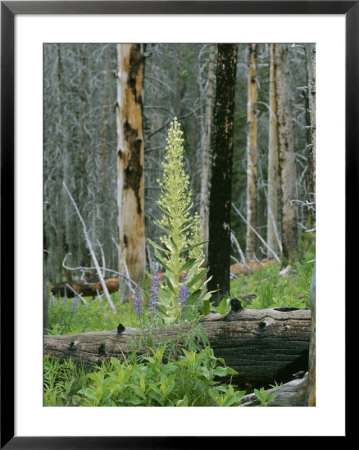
{"points": [[176, 196]]}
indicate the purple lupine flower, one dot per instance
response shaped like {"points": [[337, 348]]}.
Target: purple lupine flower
{"points": [[155, 287], [183, 295], [138, 301], [75, 303]]}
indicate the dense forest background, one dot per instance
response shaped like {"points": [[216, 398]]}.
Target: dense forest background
{"points": [[81, 83]]}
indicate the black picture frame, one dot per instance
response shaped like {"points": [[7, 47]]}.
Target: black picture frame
{"points": [[9, 9]]}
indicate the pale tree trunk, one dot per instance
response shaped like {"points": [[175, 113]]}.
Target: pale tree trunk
{"points": [[251, 154], [273, 164], [206, 144], [130, 163], [312, 347], [311, 123], [286, 153]]}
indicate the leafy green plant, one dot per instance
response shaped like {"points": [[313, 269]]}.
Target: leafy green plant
{"points": [[189, 381], [276, 384], [264, 397], [223, 307], [180, 252]]}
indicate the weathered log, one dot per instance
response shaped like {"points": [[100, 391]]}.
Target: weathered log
{"points": [[83, 288], [262, 345], [293, 393]]}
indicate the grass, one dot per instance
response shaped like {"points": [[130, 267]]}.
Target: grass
{"points": [[67, 318], [274, 290], [269, 288], [62, 381]]}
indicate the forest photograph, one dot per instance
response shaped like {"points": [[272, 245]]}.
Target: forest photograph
{"points": [[179, 218]]}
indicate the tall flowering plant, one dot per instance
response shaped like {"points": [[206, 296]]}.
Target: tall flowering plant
{"points": [[180, 249]]}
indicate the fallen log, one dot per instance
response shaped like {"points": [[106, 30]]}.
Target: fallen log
{"points": [[294, 393], [262, 345], [84, 288]]}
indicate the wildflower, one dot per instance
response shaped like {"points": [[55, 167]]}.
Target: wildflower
{"points": [[138, 301], [155, 286], [183, 295], [75, 303]]}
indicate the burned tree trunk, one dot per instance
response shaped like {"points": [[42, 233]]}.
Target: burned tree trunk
{"points": [[219, 246], [262, 345], [130, 163]]}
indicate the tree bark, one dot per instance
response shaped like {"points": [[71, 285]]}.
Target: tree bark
{"points": [[83, 288], [273, 164], [219, 247], [312, 351], [293, 393], [45, 318], [252, 155], [130, 163], [206, 147], [311, 124], [286, 154], [262, 345]]}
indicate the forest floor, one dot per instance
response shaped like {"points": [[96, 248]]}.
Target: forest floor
{"points": [[275, 285], [269, 287]]}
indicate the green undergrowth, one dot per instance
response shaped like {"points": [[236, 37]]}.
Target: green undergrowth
{"points": [[267, 288], [193, 379], [66, 316]]}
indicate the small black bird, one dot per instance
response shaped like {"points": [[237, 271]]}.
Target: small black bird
{"points": [[236, 306], [120, 328]]}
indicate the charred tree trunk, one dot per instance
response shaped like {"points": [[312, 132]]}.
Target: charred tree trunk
{"points": [[130, 163], [286, 154], [219, 247], [252, 155], [273, 164], [262, 345]]}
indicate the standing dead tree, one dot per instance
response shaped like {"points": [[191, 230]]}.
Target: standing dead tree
{"points": [[130, 163], [93, 256], [252, 155], [273, 163], [219, 247], [287, 162]]}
